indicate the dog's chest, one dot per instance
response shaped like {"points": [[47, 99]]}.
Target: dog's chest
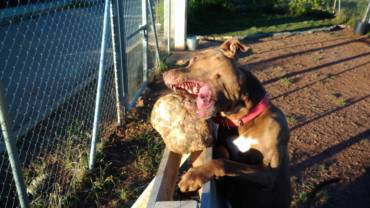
{"points": [[244, 148]]}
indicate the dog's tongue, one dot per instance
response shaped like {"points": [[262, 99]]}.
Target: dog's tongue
{"points": [[204, 101]]}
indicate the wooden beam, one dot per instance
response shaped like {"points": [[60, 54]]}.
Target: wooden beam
{"points": [[143, 199], [165, 180], [177, 204]]}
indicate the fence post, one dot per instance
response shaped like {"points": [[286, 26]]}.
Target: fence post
{"points": [[339, 6], [100, 87], [11, 149], [119, 57], [366, 13], [168, 26], [144, 22], [154, 31]]}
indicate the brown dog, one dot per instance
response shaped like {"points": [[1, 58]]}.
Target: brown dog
{"points": [[253, 135]]}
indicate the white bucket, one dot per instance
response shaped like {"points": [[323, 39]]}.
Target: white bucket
{"points": [[192, 42]]}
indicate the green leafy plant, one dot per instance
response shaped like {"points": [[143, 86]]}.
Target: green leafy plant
{"points": [[304, 7], [286, 82], [291, 119]]}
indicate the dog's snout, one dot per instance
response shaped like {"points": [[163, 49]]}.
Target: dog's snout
{"points": [[173, 76], [169, 77]]}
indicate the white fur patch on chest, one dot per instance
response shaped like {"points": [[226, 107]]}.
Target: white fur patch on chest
{"points": [[240, 144]]}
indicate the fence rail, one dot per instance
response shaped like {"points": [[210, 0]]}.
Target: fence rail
{"points": [[69, 71]]}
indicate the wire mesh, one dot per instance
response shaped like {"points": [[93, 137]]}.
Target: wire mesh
{"points": [[50, 51], [159, 16], [353, 10], [50, 56], [134, 45]]}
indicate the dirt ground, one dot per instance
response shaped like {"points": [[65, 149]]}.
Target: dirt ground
{"points": [[321, 81]]}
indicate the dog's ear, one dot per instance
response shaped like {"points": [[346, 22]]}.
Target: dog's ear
{"points": [[232, 46]]}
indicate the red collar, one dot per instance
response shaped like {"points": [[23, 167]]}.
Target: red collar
{"points": [[253, 113]]}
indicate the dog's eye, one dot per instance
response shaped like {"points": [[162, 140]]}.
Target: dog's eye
{"points": [[191, 61], [218, 76]]}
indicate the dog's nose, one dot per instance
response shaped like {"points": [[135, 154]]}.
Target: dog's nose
{"points": [[166, 76], [169, 76]]}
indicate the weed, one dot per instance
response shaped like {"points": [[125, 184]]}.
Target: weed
{"points": [[62, 168], [302, 198], [285, 82], [291, 119], [339, 100], [159, 11], [124, 194], [148, 157], [318, 57], [161, 67], [104, 182]]}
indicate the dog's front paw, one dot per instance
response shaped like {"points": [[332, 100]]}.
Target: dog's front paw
{"points": [[193, 180]]}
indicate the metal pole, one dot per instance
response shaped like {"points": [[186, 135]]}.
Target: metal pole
{"points": [[339, 6], [154, 31], [145, 39], [366, 13], [100, 87], [334, 6], [169, 28], [12, 153], [119, 57]]}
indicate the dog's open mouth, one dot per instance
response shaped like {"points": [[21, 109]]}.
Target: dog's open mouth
{"points": [[201, 92]]}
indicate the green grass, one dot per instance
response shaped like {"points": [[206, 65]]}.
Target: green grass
{"points": [[123, 169], [225, 24], [159, 11], [161, 66], [53, 179]]}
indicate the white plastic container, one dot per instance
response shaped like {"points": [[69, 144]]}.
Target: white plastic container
{"points": [[192, 42]]}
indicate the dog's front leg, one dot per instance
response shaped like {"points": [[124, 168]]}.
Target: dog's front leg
{"points": [[195, 177]]}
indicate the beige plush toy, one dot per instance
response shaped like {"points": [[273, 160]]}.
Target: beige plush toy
{"points": [[174, 117]]}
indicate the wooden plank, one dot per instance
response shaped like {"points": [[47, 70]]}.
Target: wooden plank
{"points": [[177, 204], [165, 180], [143, 199]]}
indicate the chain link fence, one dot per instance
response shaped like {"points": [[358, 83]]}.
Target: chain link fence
{"points": [[352, 10], [50, 56]]}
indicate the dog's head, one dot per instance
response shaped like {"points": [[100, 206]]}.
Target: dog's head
{"points": [[212, 78]]}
